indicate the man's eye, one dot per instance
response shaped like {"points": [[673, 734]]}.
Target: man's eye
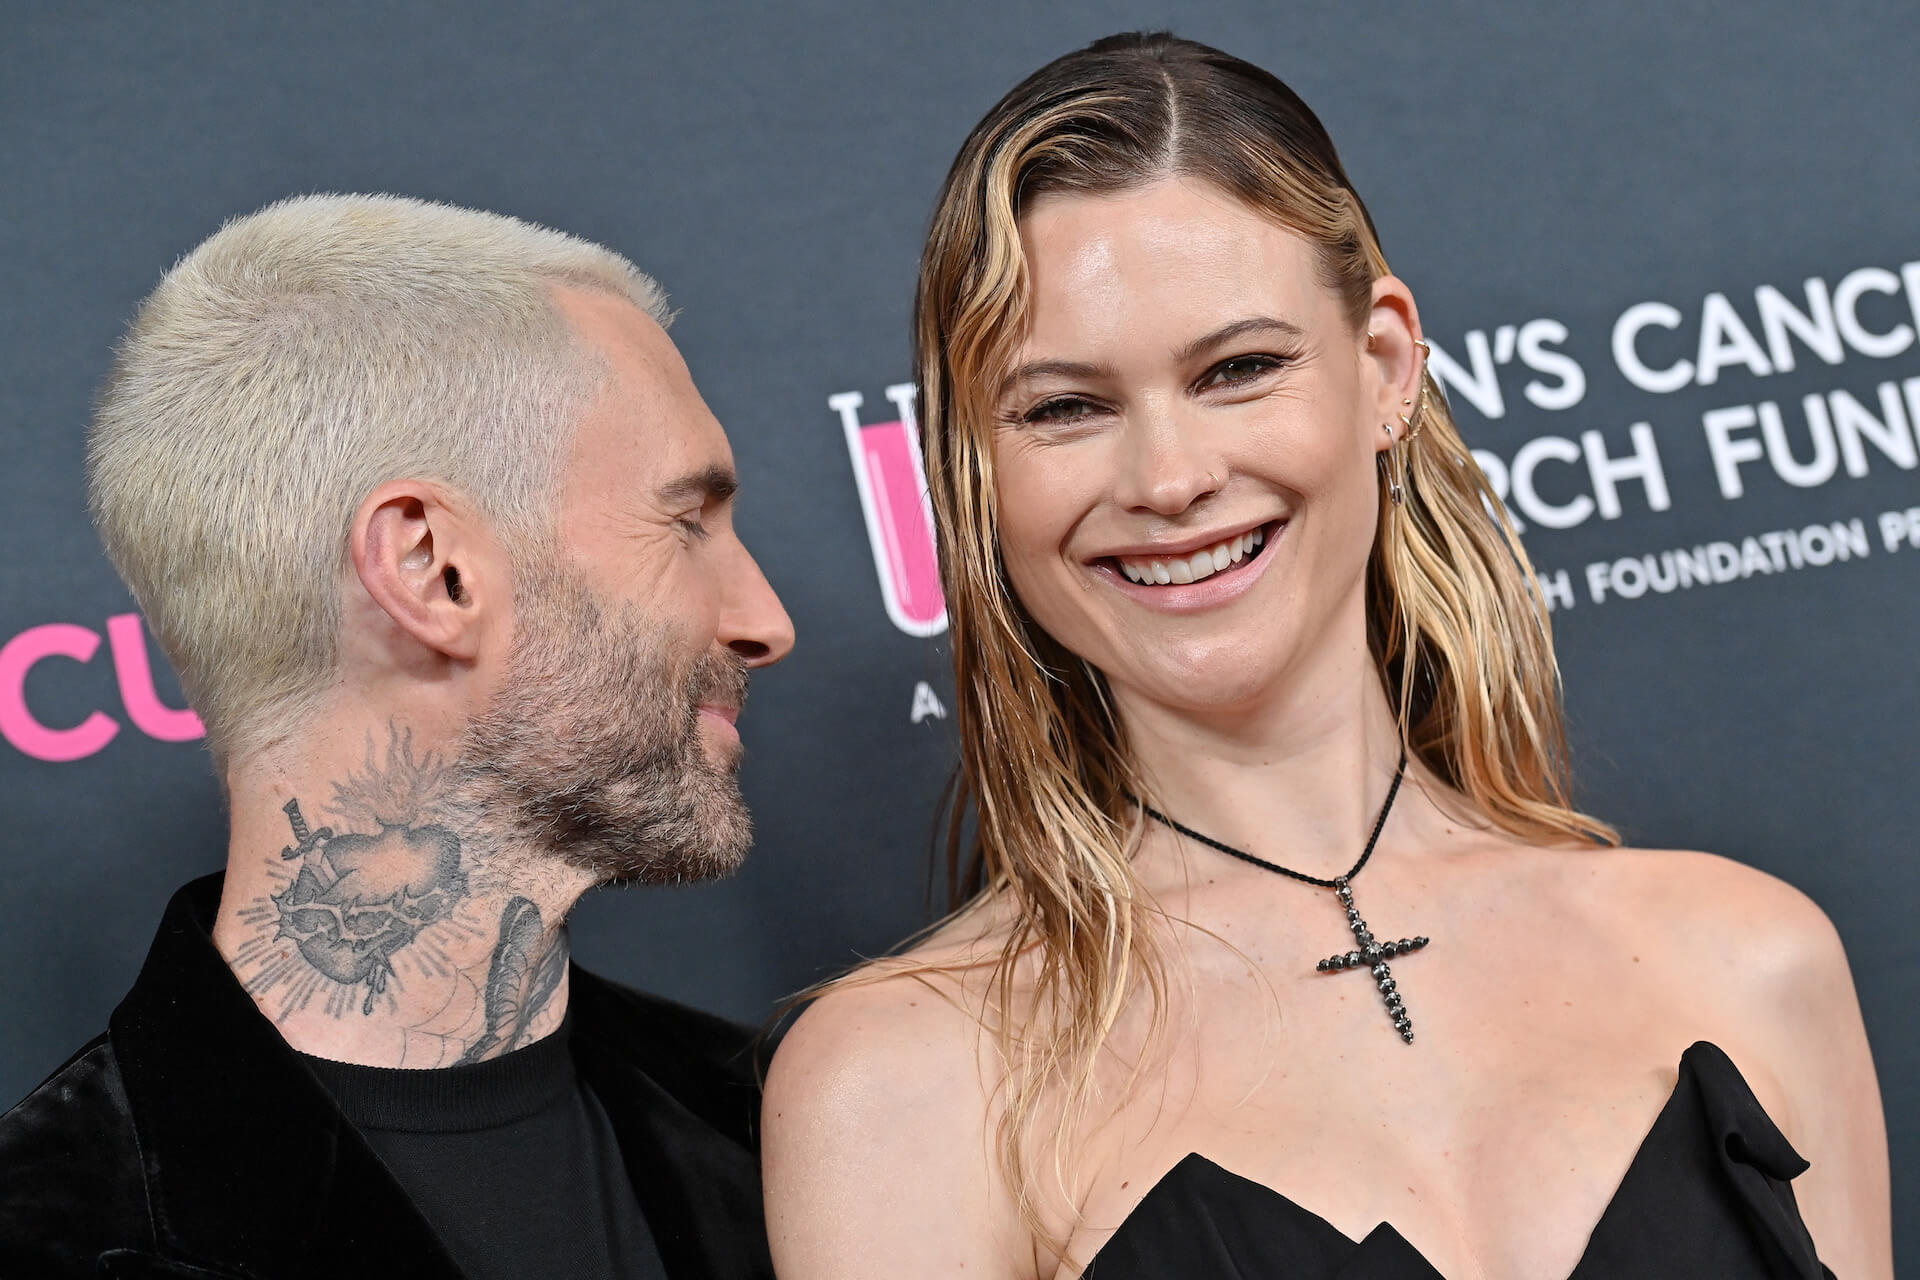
{"points": [[693, 526], [1061, 409], [1239, 369]]}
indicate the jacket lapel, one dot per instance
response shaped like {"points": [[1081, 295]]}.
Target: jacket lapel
{"points": [[249, 1165]]}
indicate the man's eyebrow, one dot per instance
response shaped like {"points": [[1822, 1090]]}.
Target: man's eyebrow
{"points": [[1238, 329], [709, 484]]}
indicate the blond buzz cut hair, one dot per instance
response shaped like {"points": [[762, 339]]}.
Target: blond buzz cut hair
{"points": [[297, 359]]}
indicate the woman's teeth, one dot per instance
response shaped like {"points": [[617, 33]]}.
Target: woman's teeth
{"points": [[1201, 564]]}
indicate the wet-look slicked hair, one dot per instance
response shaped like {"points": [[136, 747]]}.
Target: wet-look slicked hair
{"points": [[1045, 824], [293, 362]]}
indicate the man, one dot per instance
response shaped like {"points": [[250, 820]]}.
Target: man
{"points": [[424, 508]]}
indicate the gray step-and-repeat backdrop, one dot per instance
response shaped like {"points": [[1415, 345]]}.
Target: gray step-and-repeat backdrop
{"points": [[1668, 256]]}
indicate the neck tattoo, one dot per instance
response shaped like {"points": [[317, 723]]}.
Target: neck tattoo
{"points": [[380, 917], [1368, 953]]}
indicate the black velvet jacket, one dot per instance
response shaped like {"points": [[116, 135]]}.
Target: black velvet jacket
{"points": [[189, 1141]]}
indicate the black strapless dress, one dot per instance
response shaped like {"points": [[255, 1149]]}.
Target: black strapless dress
{"points": [[1706, 1198]]}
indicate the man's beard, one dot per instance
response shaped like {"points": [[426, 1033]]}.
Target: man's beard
{"points": [[592, 748]]}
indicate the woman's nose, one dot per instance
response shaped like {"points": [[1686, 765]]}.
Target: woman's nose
{"points": [[1169, 466]]}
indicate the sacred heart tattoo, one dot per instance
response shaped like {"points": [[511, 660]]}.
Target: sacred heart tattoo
{"points": [[367, 900], [357, 899]]}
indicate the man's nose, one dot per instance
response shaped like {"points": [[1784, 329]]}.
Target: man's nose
{"points": [[755, 624]]}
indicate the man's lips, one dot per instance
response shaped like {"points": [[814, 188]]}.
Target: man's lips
{"points": [[721, 716]]}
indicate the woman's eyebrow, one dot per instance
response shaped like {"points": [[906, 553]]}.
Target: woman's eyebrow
{"points": [[1055, 369], [1237, 329], [1082, 369]]}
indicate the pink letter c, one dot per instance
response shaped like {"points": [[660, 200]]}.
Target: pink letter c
{"points": [[17, 723]]}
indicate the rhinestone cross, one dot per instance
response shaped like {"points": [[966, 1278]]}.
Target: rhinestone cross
{"points": [[1374, 956]]}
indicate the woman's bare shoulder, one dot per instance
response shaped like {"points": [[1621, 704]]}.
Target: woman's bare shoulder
{"points": [[916, 1014], [1742, 957], [879, 1038], [1760, 958], [1713, 910], [877, 1142], [901, 1028]]}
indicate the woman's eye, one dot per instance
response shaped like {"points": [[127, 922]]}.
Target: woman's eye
{"points": [[1239, 369], [1062, 409]]}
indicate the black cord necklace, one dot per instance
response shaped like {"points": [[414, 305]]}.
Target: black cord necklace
{"points": [[1374, 955]]}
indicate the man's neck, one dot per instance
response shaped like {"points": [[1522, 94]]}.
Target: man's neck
{"points": [[377, 919]]}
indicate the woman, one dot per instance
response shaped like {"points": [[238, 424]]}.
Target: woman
{"points": [[1248, 671]]}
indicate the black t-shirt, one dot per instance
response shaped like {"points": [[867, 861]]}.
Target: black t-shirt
{"points": [[512, 1161]]}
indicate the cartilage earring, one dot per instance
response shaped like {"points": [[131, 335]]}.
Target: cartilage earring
{"points": [[1413, 421]]}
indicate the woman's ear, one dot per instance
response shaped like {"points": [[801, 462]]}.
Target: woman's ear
{"points": [[1397, 356], [427, 563]]}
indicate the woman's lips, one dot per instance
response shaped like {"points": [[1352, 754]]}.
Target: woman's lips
{"points": [[1221, 586], [1195, 564]]}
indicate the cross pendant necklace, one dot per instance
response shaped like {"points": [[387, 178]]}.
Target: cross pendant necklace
{"points": [[1374, 955], [1368, 953]]}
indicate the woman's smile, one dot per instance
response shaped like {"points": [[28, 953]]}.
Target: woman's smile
{"points": [[1194, 574]]}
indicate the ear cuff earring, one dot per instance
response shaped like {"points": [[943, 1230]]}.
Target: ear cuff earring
{"points": [[1411, 420], [1396, 461], [1397, 452]]}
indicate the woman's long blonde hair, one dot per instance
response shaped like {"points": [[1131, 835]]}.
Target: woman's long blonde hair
{"points": [[1042, 822]]}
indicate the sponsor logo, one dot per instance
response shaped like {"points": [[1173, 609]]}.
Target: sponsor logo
{"points": [[893, 498], [132, 668]]}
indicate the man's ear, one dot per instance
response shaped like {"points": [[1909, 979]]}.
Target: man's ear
{"points": [[428, 561], [1393, 350]]}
